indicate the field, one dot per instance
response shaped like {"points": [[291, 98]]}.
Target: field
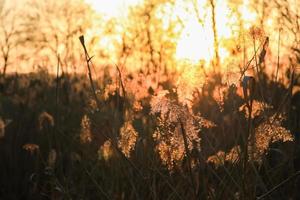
{"points": [[142, 124]]}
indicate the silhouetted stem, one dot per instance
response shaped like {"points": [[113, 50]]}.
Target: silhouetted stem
{"points": [[88, 59], [188, 157]]}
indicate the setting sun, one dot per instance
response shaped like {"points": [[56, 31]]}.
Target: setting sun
{"points": [[196, 41]]}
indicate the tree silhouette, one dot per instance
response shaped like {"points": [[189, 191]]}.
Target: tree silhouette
{"points": [[150, 35], [53, 28], [10, 34]]}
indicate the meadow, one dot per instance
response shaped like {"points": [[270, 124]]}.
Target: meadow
{"points": [[149, 127]]}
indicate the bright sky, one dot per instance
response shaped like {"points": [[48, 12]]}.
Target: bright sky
{"points": [[196, 41], [112, 8]]}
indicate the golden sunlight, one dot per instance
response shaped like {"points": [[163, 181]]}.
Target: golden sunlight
{"points": [[112, 8], [111, 99], [196, 41]]}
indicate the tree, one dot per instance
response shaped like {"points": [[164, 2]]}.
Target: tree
{"points": [[202, 9], [289, 15], [10, 32], [215, 31], [57, 26], [149, 37]]}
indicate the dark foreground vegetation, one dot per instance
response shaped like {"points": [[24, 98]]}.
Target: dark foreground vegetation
{"points": [[57, 143]]}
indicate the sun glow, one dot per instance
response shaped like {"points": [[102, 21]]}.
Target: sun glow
{"points": [[112, 8], [197, 40]]}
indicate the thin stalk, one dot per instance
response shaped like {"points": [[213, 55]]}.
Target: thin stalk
{"points": [[279, 185], [97, 184], [245, 152], [56, 99], [88, 59], [188, 157], [278, 54]]}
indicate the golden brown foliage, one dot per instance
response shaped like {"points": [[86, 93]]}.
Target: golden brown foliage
{"points": [[269, 132], [257, 108], [127, 139], [45, 120], [168, 135], [105, 151], [85, 134], [31, 148]]}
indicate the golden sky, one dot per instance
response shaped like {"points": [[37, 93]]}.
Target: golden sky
{"points": [[112, 8], [196, 41]]}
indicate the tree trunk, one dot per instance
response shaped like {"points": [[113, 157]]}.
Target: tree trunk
{"points": [[216, 42], [4, 66]]}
